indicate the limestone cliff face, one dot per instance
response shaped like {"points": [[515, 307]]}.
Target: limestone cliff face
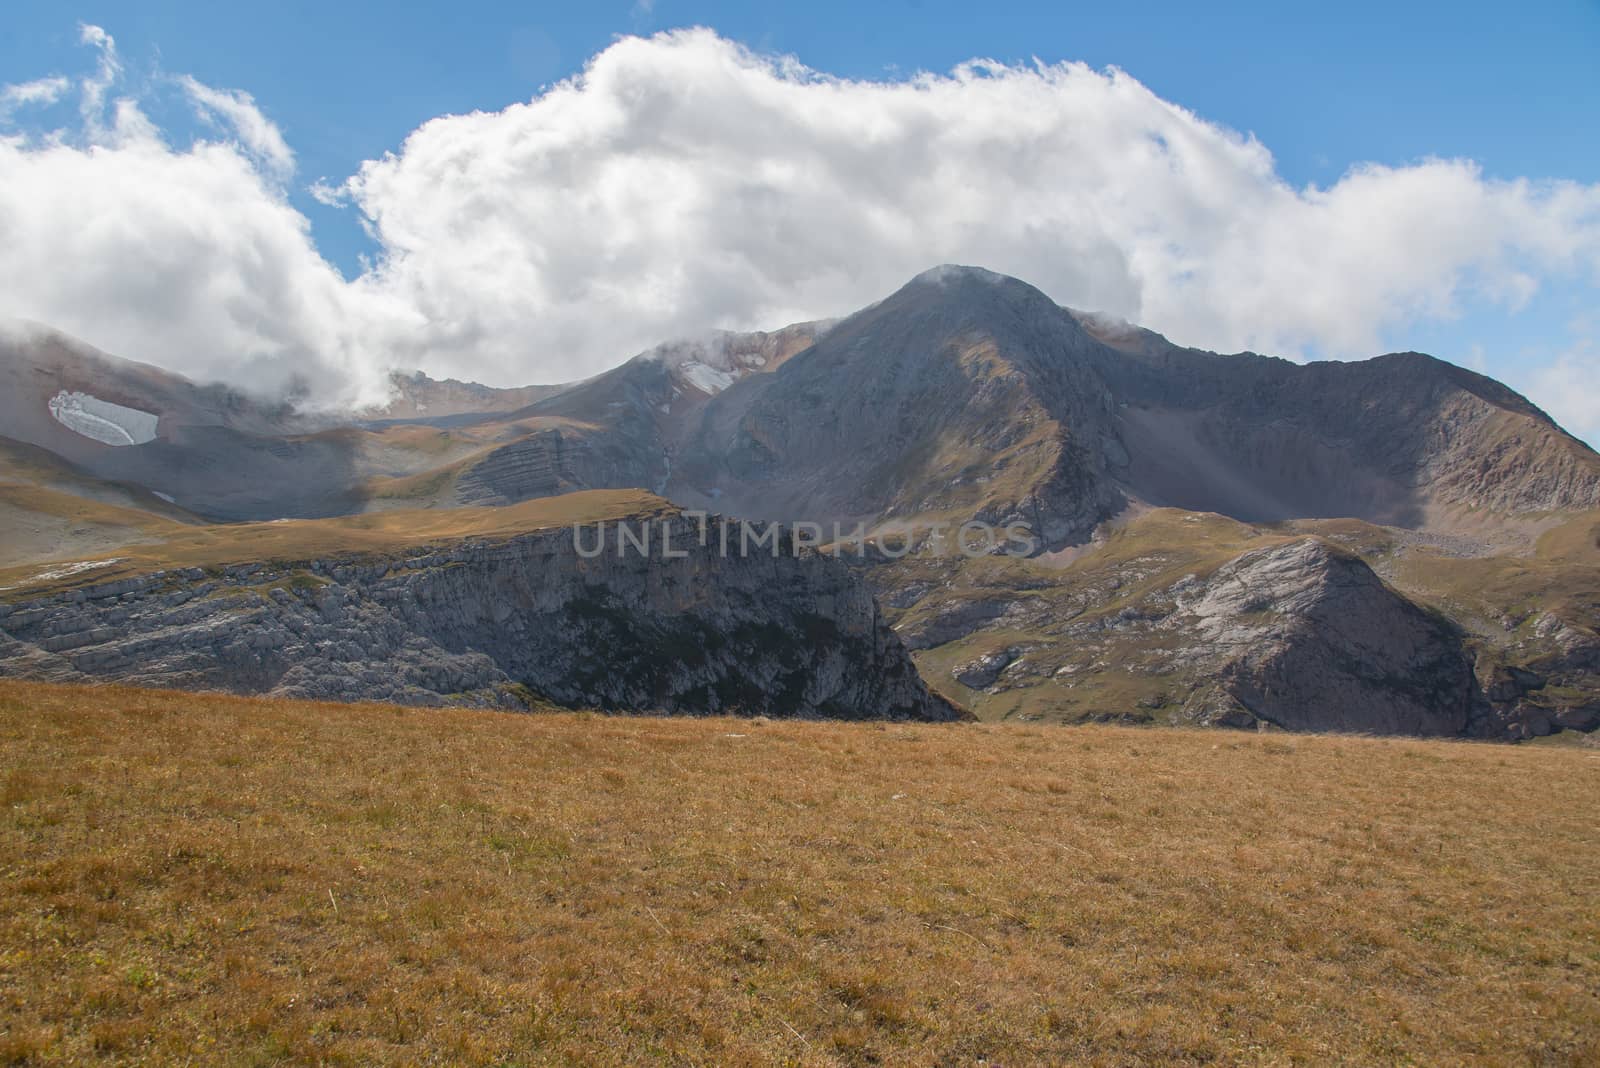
{"points": [[1306, 637], [499, 623]]}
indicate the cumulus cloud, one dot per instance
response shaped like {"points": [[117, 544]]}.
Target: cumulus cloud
{"points": [[682, 182], [191, 259]]}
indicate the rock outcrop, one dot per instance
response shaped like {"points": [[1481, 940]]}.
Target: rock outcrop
{"points": [[1297, 635], [1305, 637], [495, 622], [1546, 682], [536, 466]]}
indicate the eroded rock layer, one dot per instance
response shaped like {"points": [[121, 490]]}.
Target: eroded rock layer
{"points": [[494, 622]]}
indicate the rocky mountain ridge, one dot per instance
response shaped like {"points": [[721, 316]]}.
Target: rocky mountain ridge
{"points": [[971, 394]]}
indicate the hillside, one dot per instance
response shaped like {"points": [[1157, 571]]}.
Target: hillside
{"points": [[304, 540], [233, 881], [1175, 617]]}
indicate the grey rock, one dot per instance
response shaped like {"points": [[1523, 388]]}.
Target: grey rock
{"points": [[981, 672], [496, 623], [1307, 637]]}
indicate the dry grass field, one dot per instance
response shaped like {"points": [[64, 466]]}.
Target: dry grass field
{"points": [[212, 880], [309, 539]]}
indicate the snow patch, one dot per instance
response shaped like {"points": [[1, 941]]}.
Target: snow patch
{"points": [[707, 378], [164, 496], [102, 421], [713, 363]]}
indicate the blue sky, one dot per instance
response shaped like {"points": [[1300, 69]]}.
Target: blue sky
{"points": [[1323, 90]]}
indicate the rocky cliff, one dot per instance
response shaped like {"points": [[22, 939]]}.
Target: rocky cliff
{"points": [[1297, 635], [1305, 637], [503, 622]]}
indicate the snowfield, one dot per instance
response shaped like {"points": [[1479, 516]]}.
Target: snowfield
{"points": [[112, 424], [708, 378]]}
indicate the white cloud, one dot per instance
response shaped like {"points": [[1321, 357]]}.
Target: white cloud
{"points": [[188, 259], [37, 93], [259, 136], [328, 195], [1569, 389], [682, 182], [107, 71]]}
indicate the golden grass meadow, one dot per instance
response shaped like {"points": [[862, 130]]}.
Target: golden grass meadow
{"points": [[199, 879]]}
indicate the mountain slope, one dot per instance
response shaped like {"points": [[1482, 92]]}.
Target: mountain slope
{"points": [[968, 394], [1402, 439], [215, 451], [960, 395], [614, 430], [211, 451]]}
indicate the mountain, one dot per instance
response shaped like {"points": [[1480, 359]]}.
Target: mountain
{"points": [[221, 455], [958, 396], [1403, 439], [969, 394], [964, 394], [211, 450], [416, 398], [1417, 542], [616, 429]]}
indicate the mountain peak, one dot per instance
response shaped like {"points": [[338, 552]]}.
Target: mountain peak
{"points": [[951, 292], [946, 273]]}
